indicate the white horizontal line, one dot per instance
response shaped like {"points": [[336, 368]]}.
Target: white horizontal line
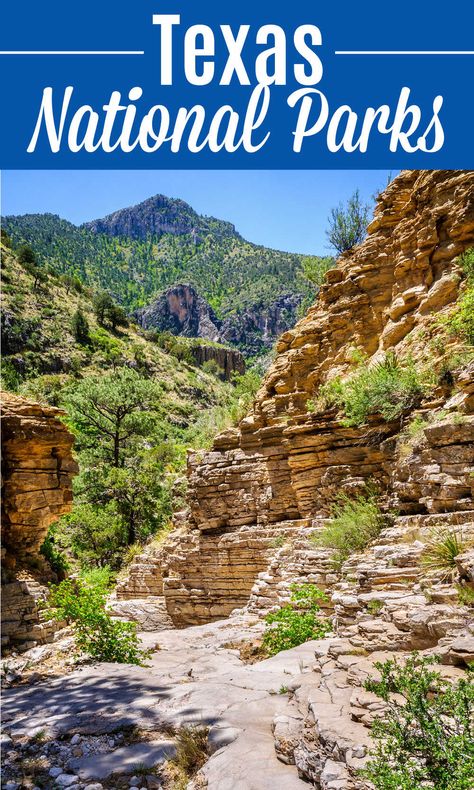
{"points": [[72, 52], [405, 52]]}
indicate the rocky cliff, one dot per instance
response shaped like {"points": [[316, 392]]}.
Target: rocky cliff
{"points": [[265, 490], [283, 466], [156, 215], [182, 311], [255, 329], [37, 471]]}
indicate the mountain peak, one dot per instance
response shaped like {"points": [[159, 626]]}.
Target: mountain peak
{"points": [[156, 215]]}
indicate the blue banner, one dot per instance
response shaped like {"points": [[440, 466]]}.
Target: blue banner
{"points": [[174, 84]]}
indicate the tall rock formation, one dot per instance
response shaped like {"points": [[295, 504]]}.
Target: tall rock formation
{"points": [[37, 471], [273, 478], [182, 311]]}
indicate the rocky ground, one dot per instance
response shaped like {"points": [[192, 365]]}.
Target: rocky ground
{"points": [[302, 716], [111, 725]]}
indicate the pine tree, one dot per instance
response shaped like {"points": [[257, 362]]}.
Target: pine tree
{"points": [[80, 327]]}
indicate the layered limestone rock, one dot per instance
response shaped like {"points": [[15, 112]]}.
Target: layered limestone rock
{"points": [[437, 476], [37, 471], [227, 361], [259, 498], [283, 466]]}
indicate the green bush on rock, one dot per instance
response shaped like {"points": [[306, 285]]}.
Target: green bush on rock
{"points": [[354, 523], [461, 321], [425, 736], [297, 621], [96, 633], [389, 388]]}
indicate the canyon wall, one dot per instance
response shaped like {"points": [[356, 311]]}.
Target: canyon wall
{"points": [[273, 479], [259, 498], [182, 311], [37, 471]]}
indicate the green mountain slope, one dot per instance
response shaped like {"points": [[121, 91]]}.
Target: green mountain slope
{"points": [[55, 351], [136, 253], [41, 355]]}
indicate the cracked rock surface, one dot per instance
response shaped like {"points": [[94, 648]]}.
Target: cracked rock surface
{"points": [[191, 679]]}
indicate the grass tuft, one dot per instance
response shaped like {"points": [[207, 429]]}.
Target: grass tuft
{"points": [[389, 388], [354, 523]]}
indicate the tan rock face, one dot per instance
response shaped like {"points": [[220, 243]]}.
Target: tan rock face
{"points": [[283, 466], [37, 471], [229, 360]]}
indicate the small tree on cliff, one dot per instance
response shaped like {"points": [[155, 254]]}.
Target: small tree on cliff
{"points": [[348, 223]]}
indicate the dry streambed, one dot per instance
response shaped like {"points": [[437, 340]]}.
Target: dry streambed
{"points": [[113, 726]]}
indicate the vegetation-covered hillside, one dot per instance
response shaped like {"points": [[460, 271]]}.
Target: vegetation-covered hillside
{"points": [[140, 254], [133, 401]]}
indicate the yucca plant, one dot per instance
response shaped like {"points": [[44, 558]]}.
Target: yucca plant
{"points": [[441, 550]]}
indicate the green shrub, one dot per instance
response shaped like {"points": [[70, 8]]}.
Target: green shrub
{"points": [[461, 322], [297, 621], [53, 555], [278, 542], [375, 607], [441, 550], [45, 389], [10, 379], [99, 578], [424, 740], [95, 632], [94, 534], [416, 426], [314, 268], [465, 595], [467, 265], [354, 523], [211, 367], [348, 223], [388, 388]]}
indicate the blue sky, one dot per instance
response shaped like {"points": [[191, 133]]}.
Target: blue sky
{"points": [[284, 209]]}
